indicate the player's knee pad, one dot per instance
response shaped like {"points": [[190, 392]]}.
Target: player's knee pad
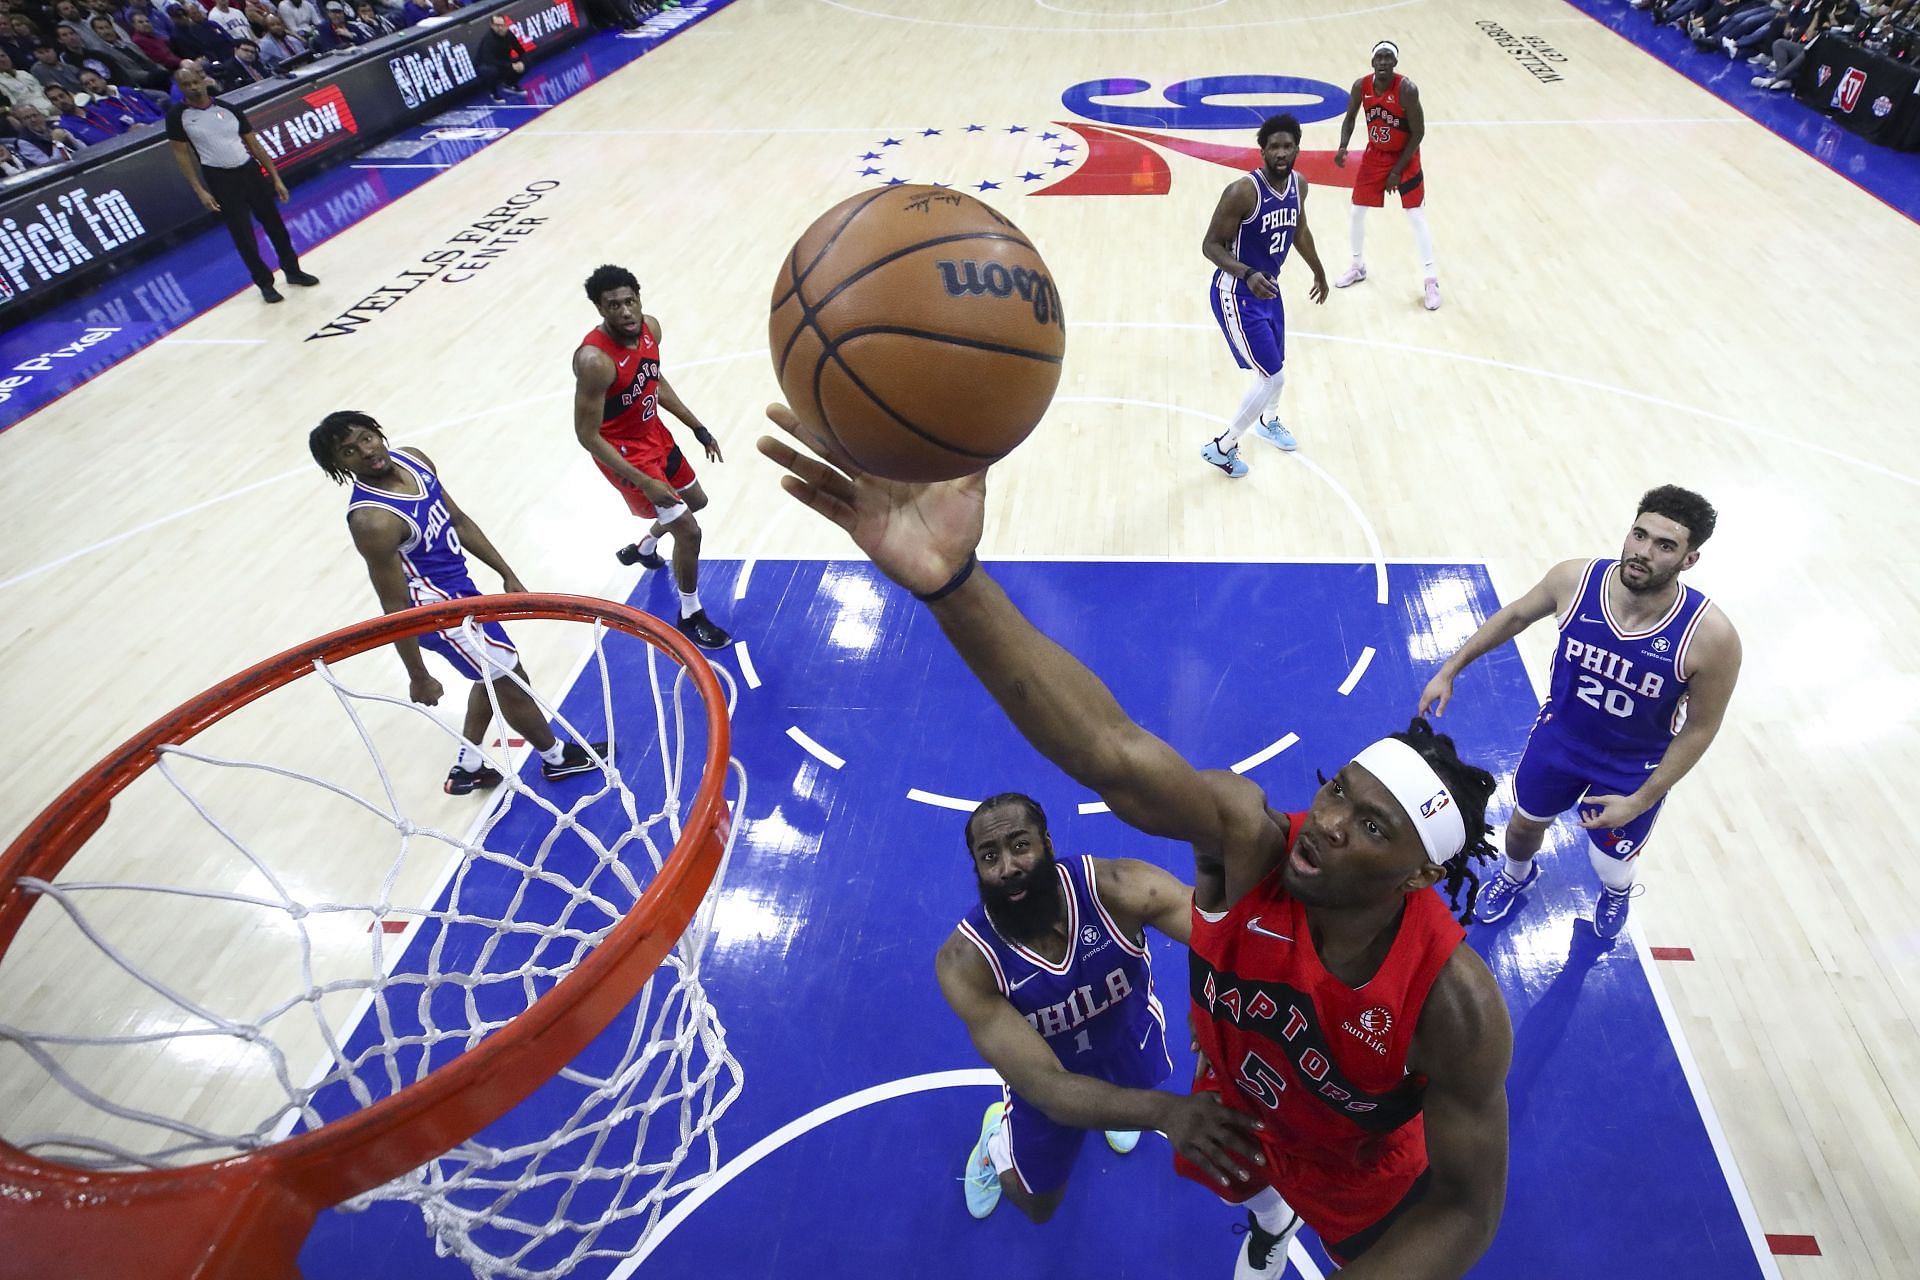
{"points": [[667, 515], [1616, 870]]}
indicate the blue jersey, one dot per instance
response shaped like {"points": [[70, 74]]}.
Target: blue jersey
{"points": [[436, 565], [1266, 236], [1096, 1008], [1616, 694]]}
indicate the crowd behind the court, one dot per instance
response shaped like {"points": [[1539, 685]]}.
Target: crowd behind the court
{"points": [[78, 73], [1774, 35]]}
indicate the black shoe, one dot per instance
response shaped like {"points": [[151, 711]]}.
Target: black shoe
{"points": [[303, 278], [574, 759], [632, 554], [271, 294], [1265, 1253], [461, 781], [700, 629]]}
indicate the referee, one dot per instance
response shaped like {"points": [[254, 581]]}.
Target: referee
{"points": [[241, 182]]}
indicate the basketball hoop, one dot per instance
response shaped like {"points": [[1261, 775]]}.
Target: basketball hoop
{"points": [[246, 1214]]}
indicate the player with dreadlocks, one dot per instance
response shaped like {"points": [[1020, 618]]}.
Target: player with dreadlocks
{"points": [[1332, 1000]]}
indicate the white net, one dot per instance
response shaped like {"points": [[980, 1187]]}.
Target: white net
{"points": [[583, 1168]]}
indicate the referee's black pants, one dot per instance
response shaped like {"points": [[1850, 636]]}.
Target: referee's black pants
{"points": [[245, 194]]}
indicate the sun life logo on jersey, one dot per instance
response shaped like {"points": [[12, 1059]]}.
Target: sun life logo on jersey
{"points": [[1370, 1026], [1377, 1020]]}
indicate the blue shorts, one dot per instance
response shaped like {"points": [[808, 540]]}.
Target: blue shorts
{"points": [[1552, 778], [1044, 1151], [1255, 328], [474, 656]]}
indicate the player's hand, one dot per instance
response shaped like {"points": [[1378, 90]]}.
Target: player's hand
{"points": [[1215, 1138], [510, 583], [206, 198], [1261, 285], [1393, 179], [280, 191], [919, 535], [1319, 291], [712, 446], [1605, 813], [1340, 158], [425, 690], [1437, 694]]}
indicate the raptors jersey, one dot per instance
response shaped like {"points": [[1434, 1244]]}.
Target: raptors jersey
{"points": [[631, 413], [1096, 1008], [435, 563], [1386, 118], [1266, 235], [1321, 1064], [1616, 694]]}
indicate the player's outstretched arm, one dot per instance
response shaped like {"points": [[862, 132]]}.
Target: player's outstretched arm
{"points": [[923, 537], [1138, 893], [1464, 1045], [1216, 1138], [1550, 595]]}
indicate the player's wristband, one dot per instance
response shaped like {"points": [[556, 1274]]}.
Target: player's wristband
{"points": [[953, 584], [704, 436]]}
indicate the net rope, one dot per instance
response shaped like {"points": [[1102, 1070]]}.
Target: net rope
{"points": [[626, 1128]]}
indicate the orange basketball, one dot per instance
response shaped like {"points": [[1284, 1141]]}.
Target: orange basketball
{"points": [[917, 329]]}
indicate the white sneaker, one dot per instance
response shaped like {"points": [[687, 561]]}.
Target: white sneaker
{"points": [[1351, 276], [1432, 294], [1263, 1256]]}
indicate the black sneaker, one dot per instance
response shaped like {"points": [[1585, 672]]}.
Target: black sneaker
{"points": [[574, 759], [1265, 1253], [305, 279], [701, 629], [271, 294], [461, 781], [632, 554]]}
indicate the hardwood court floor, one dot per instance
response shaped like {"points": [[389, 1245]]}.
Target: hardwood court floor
{"points": [[1641, 287]]}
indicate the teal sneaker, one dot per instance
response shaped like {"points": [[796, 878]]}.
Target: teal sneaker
{"points": [[1228, 460], [983, 1184], [1123, 1140], [1276, 435]]}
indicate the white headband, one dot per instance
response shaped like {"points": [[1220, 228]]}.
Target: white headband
{"points": [[1428, 803], [1389, 46]]}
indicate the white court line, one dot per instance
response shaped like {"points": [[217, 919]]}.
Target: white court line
{"points": [[746, 664], [814, 749], [243, 490], [1676, 1035], [939, 801], [1266, 753], [1094, 806], [1033, 30], [1359, 669], [402, 166]]}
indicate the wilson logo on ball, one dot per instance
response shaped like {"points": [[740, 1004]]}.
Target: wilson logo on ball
{"points": [[972, 279]]}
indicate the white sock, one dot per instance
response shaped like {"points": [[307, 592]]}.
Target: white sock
{"points": [[555, 753], [1516, 870], [1423, 241], [1275, 1215], [1260, 398], [1615, 873], [647, 544], [1357, 229], [469, 757], [689, 603]]}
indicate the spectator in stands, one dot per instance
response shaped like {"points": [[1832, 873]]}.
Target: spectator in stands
{"points": [[12, 165], [67, 13], [194, 37], [280, 48], [337, 35], [48, 69], [155, 15], [89, 124], [17, 86], [124, 52], [302, 18], [75, 53], [132, 107], [369, 23], [150, 42], [1805, 20], [230, 20], [502, 59], [245, 68], [412, 13], [1754, 27], [39, 142], [21, 38]]}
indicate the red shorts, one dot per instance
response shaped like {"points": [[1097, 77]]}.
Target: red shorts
{"points": [[1345, 1204], [657, 456], [1370, 188]]}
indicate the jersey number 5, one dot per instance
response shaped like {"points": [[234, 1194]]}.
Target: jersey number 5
{"points": [[1261, 1081]]}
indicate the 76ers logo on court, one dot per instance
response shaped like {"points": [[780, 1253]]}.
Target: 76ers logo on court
{"points": [[1846, 94]]}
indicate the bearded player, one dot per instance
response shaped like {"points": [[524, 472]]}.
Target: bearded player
{"points": [[1396, 125], [1331, 997], [618, 392]]}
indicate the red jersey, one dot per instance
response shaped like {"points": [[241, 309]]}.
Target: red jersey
{"points": [[1385, 116], [1322, 1064], [631, 413]]}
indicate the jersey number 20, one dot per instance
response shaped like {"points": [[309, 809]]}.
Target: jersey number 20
{"points": [[1615, 702]]}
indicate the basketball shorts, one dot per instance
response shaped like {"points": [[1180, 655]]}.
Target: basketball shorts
{"points": [[1370, 188], [1348, 1206], [660, 458], [481, 651], [1255, 328], [1043, 1152], [1553, 778]]}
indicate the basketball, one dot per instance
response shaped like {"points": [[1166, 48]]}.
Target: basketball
{"points": [[917, 329]]}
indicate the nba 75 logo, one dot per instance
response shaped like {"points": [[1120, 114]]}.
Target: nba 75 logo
{"points": [[1846, 94]]}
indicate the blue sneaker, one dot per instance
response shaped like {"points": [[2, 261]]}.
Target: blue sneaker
{"points": [[1123, 1140], [1497, 895], [1610, 911], [1228, 460], [1276, 435], [983, 1184]]}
